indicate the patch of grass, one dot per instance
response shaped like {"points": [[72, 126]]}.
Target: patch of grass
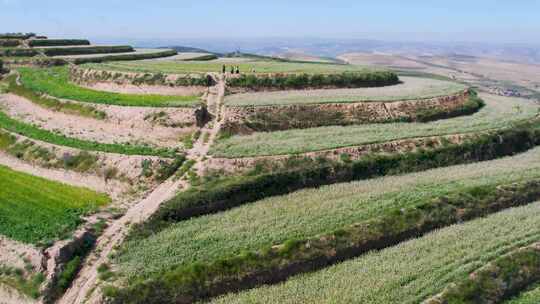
{"points": [[137, 55], [38, 211], [62, 51], [55, 82], [29, 151], [58, 42], [54, 104], [499, 112], [37, 133], [365, 79]]}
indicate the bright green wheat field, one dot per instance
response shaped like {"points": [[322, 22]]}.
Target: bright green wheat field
{"points": [[55, 82], [35, 210]]}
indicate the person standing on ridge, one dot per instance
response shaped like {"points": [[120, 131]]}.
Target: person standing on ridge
{"points": [[224, 69]]}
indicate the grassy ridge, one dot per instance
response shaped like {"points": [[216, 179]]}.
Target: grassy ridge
{"points": [[499, 112], [16, 52], [410, 272], [364, 79], [63, 51], [124, 57], [36, 133], [53, 104], [57, 42], [34, 210], [278, 219], [55, 82]]}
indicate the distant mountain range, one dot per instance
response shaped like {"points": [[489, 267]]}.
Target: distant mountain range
{"points": [[335, 47]]}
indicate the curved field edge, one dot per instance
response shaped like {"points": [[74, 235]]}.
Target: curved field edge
{"points": [[124, 57], [297, 173], [55, 82], [433, 89], [33, 132], [409, 272], [52, 103], [499, 112], [263, 119], [499, 280], [278, 262], [38, 211]]}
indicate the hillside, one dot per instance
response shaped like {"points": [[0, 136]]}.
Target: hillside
{"points": [[182, 176]]}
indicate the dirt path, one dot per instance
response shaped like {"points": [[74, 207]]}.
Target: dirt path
{"points": [[209, 133], [83, 288]]}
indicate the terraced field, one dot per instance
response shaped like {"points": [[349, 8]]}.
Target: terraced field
{"points": [[136, 54], [35, 210], [411, 88], [411, 271], [55, 82], [292, 226], [215, 66], [278, 219], [499, 112], [31, 131]]}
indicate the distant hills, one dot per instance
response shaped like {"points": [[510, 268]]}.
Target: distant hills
{"points": [[333, 47]]}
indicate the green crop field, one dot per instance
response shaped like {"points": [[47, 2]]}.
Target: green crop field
{"points": [[246, 66], [35, 210], [529, 297], [411, 271], [499, 112], [55, 82], [37, 133], [307, 213], [411, 88]]}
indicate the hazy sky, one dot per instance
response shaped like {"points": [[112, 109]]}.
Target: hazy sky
{"points": [[456, 20]]}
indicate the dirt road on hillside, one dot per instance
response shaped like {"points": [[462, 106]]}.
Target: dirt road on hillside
{"points": [[83, 288]]}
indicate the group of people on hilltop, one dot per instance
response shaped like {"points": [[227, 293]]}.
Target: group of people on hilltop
{"points": [[234, 69]]}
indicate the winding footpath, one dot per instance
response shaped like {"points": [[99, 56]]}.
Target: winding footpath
{"points": [[83, 288]]}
